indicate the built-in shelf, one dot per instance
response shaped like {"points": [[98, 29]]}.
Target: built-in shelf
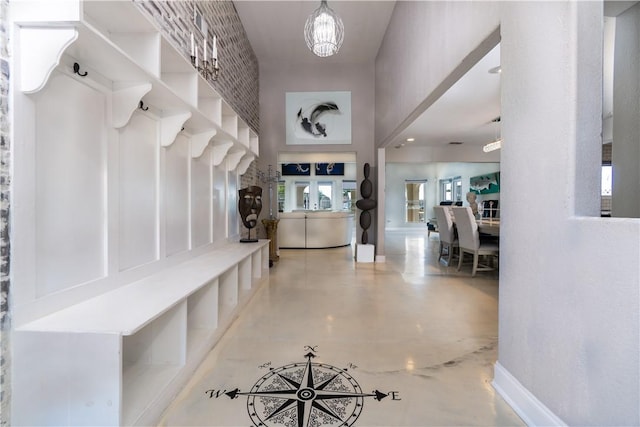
{"points": [[161, 325], [107, 327], [130, 49]]}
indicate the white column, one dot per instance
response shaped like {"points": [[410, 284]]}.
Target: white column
{"points": [[625, 197]]}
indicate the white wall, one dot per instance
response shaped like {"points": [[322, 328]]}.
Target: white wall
{"points": [[568, 325], [466, 171], [569, 280], [625, 198], [397, 173], [448, 153], [395, 203], [425, 42], [356, 78]]}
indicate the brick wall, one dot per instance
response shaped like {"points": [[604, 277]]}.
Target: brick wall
{"points": [[238, 81], [5, 181]]}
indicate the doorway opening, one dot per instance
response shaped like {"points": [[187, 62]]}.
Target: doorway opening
{"points": [[414, 195]]}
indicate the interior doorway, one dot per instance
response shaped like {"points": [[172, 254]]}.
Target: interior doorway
{"points": [[414, 195]]}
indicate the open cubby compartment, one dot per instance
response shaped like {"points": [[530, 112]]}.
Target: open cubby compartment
{"points": [[151, 358], [244, 275], [228, 292], [178, 74], [96, 54], [257, 265], [143, 48], [121, 23], [202, 315], [209, 102], [244, 134], [65, 378], [253, 143], [265, 260], [229, 120]]}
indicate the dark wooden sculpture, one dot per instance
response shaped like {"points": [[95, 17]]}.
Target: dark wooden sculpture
{"points": [[366, 204]]}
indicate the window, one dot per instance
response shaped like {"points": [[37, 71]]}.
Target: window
{"points": [[325, 194], [302, 195], [324, 186], [451, 189], [446, 190], [281, 191], [606, 180], [414, 200], [457, 188], [349, 195]]}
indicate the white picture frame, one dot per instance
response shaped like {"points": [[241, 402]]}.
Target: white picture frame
{"points": [[318, 118]]}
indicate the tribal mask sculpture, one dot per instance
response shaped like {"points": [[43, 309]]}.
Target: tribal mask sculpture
{"points": [[249, 206]]}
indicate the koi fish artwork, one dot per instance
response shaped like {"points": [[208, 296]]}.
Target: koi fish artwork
{"points": [[318, 118], [312, 124]]}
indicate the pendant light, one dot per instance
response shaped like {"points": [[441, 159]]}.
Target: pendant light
{"points": [[497, 144], [324, 31]]}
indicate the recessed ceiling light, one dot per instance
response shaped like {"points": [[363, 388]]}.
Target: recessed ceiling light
{"points": [[496, 70], [410, 139]]}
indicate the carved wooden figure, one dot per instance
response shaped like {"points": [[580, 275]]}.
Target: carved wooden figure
{"points": [[366, 204]]}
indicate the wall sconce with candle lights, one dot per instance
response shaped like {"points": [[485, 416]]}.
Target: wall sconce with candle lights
{"points": [[209, 68]]}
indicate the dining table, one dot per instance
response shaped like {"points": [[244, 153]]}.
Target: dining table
{"points": [[489, 226], [486, 225]]}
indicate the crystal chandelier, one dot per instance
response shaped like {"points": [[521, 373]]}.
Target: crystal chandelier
{"points": [[324, 31]]}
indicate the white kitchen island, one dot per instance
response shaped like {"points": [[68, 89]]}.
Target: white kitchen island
{"points": [[315, 229]]}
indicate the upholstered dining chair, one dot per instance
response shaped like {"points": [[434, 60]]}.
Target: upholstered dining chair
{"points": [[446, 230], [469, 240]]}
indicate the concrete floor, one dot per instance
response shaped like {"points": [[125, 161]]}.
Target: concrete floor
{"points": [[408, 342]]}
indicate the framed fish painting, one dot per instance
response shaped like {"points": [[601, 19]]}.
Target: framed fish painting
{"points": [[318, 118], [485, 184]]}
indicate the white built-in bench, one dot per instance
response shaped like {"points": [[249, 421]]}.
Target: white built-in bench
{"points": [[120, 357]]}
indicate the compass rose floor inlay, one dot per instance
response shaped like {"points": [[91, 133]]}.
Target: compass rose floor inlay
{"points": [[328, 342]]}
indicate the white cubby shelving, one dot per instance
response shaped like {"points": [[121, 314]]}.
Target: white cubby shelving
{"points": [[156, 329], [125, 260]]}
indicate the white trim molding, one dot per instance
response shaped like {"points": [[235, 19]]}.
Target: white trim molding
{"points": [[526, 405]]}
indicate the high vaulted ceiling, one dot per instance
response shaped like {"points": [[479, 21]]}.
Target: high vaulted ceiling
{"points": [[276, 29], [463, 114]]}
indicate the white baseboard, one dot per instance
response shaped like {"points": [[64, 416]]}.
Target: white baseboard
{"points": [[526, 405]]}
